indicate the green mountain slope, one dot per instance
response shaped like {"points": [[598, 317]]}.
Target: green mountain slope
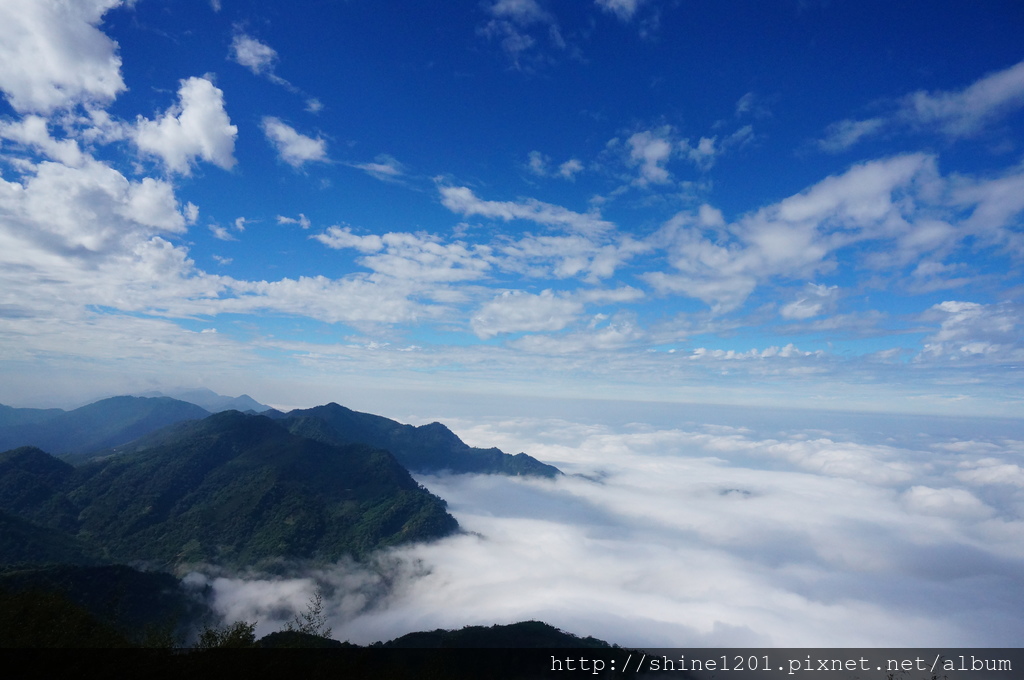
{"points": [[231, 489], [25, 543], [133, 602], [427, 448], [33, 485]]}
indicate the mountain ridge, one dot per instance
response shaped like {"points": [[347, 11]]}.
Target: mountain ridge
{"points": [[231, 489], [429, 448]]}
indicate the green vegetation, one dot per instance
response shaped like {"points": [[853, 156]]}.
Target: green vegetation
{"points": [[428, 448], [232, 489], [238, 635]]}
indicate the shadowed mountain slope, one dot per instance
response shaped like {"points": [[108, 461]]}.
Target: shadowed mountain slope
{"points": [[102, 424], [426, 449], [232, 489]]}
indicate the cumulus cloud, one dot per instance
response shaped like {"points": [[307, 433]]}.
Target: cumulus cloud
{"points": [[971, 331], [196, 127], [411, 257], [294, 148], [86, 210], [570, 168], [256, 56], [515, 311], [651, 150], [53, 56], [944, 502], [33, 132], [342, 237], [702, 153], [538, 164], [791, 238], [567, 256]]}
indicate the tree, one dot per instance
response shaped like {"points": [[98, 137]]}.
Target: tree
{"points": [[238, 634], [313, 621]]}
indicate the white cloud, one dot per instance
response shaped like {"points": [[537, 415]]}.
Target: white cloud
{"points": [[623, 9], [955, 503], [79, 211], [256, 56], [515, 311], [570, 168], [990, 471], [424, 257], [567, 256], [703, 153], [342, 237], [33, 132], [971, 331], [463, 201], [601, 337], [294, 148], [538, 164], [191, 213], [718, 355], [521, 11], [221, 233], [995, 202], [196, 127], [302, 220], [817, 299], [846, 133], [412, 257], [966, 112], [651, 150], [783, 541], [522, 27], [956, 114], [351, 300], [53, 56], [793, 238], [384, 167]]}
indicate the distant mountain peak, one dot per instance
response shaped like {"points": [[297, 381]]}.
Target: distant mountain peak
{"points": [[210, 400]]}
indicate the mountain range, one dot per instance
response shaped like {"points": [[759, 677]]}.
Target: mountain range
{"points": [[162, 483], [105, 427]]}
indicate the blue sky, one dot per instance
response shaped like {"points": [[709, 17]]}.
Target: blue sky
{"points": [[813, 204]]}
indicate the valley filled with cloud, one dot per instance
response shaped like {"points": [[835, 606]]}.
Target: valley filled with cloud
{"points": [[703, 535]]}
